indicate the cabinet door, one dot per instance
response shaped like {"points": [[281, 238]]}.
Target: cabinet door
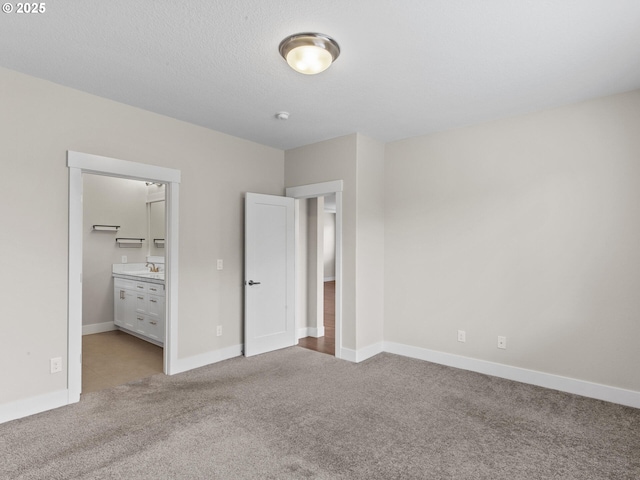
{"points": [[130, 309], [118, 306], [123, 306], [155, 316]]}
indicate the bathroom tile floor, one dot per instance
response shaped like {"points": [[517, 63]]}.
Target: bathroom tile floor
{"points": [[115, 358]]}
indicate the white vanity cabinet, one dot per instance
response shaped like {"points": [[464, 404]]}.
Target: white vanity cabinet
{"points": [[139, 308]]}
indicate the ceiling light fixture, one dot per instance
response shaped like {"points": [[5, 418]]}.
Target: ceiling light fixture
{"points": [[309, 53]]}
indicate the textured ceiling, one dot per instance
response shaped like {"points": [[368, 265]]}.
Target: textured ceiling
{"points": [[407, 67]]}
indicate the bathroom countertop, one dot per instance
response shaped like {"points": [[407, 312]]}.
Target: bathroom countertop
{"points": [[137, 271], [144, 276]]}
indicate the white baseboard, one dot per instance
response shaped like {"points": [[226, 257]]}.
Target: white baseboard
{"points": [[316, 332], [32, 405], [303, 332], [329, 279], [98, 328], [49, 401], [310, 332], [362, 354], [184, 364], [347, 354], [621, 396]]}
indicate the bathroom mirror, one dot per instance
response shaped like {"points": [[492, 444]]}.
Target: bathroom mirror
{"points": [[156, 219], [156, 228]]}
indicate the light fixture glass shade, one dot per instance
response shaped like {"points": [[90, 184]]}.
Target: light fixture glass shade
{"points": [[309, 53]]}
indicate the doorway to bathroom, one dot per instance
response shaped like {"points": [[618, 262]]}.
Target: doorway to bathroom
{"points": [[81, 164], [123, 249]]}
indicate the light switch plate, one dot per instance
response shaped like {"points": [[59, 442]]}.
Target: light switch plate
{"points": [[220, 264]]}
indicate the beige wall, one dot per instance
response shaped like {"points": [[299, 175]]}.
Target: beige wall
{"points": [[370, 242], [359, 162], [329, 245], [528, 228], [109, 201], [324, 162], [315, 263], [39, 122], [302, 255]]}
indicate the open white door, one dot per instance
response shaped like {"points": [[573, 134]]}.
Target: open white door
{"points": [[269, 313]]}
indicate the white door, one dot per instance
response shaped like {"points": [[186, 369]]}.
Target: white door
{"points": [[269, 314]]}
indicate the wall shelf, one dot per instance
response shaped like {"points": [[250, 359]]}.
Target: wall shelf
{"points": [[158, 242], [106, 228], [124, 242]]}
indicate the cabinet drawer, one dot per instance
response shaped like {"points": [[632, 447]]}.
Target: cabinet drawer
{"points": [[125, 284], [140, 301], [155, 289], [141, 323], [155, 329]]}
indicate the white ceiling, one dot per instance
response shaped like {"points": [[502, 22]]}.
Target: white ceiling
{"points": [[407, 67]]}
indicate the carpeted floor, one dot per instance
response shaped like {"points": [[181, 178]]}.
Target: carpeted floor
{"points": [[300, 414]]}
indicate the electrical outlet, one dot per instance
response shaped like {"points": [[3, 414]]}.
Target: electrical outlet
{"points": [[502, 342], [124, 259], [56, 365], [219, 330], [220, 264], [462, 336]]}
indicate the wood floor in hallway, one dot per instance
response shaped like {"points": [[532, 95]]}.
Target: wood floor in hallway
{"points": [[326, 344]]}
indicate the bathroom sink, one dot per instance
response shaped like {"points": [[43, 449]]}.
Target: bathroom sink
{"points": [[144, 274], [159, 276]]}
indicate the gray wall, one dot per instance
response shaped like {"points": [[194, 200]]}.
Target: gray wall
{"points": [[528, 228]]}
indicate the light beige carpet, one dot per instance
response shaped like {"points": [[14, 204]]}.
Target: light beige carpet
{"points": [[300, 414]]}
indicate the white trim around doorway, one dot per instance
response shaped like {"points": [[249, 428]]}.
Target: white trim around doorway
{"points": [[319, 190], [78, 164]]}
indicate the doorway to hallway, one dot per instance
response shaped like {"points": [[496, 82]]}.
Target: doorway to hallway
{"points": [[327, 343]]}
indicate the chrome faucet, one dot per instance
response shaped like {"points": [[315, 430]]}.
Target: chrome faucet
{"points": [[153, 267]]}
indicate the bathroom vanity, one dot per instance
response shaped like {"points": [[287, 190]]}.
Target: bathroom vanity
{"points": [[139, 304]]}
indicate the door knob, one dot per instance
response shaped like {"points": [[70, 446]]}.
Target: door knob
{"points": [[251, 282]]}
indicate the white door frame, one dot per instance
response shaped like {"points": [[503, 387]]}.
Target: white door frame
{"points": [[78, 164], [319, 190]]}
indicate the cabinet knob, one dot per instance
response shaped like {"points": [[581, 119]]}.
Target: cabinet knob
{"points": [[154, 301], [140, 298], [153, 323]]}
